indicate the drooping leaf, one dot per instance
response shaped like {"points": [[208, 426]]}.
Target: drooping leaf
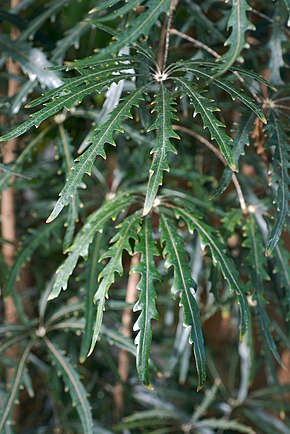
{"points": [[278, 141], [220, 257], [204, 107], [121, 241], [183, 283], [94, 223], [65, 151], [165, 115], [92, 269], [104, 135], [147, 299], [14, 388], [76, 389], [239, 24], [257, 260]]}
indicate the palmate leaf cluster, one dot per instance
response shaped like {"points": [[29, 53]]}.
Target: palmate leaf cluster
{"points": [[195, 184]]}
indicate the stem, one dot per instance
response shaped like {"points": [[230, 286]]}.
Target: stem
{"points": [[165, 37], [195, 42]]}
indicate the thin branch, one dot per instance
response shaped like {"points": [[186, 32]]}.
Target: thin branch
{"points": [[221, 158], [195, 42]]}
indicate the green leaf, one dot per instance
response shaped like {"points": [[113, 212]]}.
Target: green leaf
{"points": [[32, 243], [94, 223], [65, 151], [218, 251], [74, 93], [276, 61], [241, 139], [183, 282], [227, 86], [32, 61], [224, 424], [239, 23], [120, 12], [15, 384], [90, 309], [76, 389], [280, 173], [85, 162], [127, 230], [137, 27], [165, 115], [257, 260], [203, 106], [147, 299]]}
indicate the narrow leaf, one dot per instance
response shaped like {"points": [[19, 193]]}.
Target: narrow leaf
{"points": [[15, 384], [147, 299], [85, 162], [209, 238], [165, 115], [94, 223], [183, 282], [203, 106], [239, 24], [76, 389], [127, 230], [258, 262], [280, 168]]}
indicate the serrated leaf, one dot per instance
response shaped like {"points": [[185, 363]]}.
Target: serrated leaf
{"points": [[94, 223], [104, 135], [227, 86], [127, 7], [280, 167], [239, 24], [241, 139], [218, 251], [76, 389], [257, 260], [137, 27], [32, 243], [147, 299], [127, 230], [183, 282], [67, 100], [203, 106], [15, 384], [165, 115]]}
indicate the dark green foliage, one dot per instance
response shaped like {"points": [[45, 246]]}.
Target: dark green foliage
{"points": [[201, 201]]}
